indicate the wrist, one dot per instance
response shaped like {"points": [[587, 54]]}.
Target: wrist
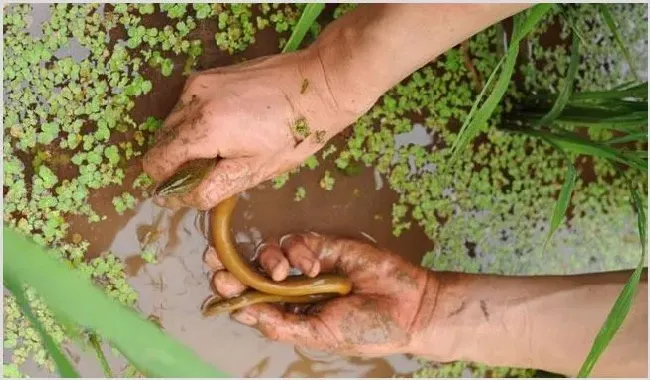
{"points": [[433, 337], [471, 314]]}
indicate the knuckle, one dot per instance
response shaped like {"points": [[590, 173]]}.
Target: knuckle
{"points": [[270, 332], [203, 201]]}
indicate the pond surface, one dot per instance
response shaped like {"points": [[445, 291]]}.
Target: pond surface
{"points": [[360, 205]]}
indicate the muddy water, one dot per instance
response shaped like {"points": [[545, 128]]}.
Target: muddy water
{"points": [[173, 289]]}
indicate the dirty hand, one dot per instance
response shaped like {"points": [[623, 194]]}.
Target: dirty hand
{"points": [[383, 315], [262, 118]]}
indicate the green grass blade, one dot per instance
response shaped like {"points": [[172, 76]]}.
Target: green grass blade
{"points": [[613, 322], [573, 143], [637, 136], [639, 91], [96, 345], [150, 349], [307, 18], [63, 365], [566, 90], [641, 220], [611, 24], [478, 100], [624, 301], [534, 16], [472, 125], [477, 118], [562, 203]]}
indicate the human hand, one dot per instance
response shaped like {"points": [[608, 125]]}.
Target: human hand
{"points": [[262, 118], [386, 313]]}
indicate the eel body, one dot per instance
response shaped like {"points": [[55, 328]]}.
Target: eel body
{"points": [[295, 289]]}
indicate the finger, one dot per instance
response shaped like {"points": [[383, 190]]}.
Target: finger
{"points": [[300, 256], [226, 285], [211, 259], [273, 262], [302, 330], [339, 254], [170, 202], [179, 144], [229, 176]]}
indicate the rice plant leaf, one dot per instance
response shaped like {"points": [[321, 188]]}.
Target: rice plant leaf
{"points": [[96, 345], [573, 143], [307, 19], [534, 16], [481, 115], [149, 349], [478, 117], [637, 136], [562, 203], [63, 365], [565, 92], [623, 303], [624, 120], [611, 24], [480, 96], [627, 90]]}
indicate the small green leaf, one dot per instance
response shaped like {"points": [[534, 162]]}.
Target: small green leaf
{"points": [[609, 20], [145, 87], [49, 178], [562, 203], [112, 154], [167, 67]]}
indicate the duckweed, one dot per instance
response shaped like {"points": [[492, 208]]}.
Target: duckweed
{"points": [[71, 133]]}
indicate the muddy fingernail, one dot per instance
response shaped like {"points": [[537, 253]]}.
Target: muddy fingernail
{"points": [[244, 318], [212, 261], [284, 239], [279, 271], [307, 266]]}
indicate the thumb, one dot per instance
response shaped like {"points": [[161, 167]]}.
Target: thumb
{"points": [[229, 177], [302, 330]]}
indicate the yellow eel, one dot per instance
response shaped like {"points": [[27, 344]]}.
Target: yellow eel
{"points": [[295, 289]]}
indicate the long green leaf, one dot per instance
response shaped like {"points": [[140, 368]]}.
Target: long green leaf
{"points": [[609, 20], [472, 125], [96, 345], [562, 203], [307, 19], [637, 136], [475, 120], [623, 303], [573, 143], [63, 365], [535, 15], [566, 90], [626, 90], [150, 349], [591, 118]]}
